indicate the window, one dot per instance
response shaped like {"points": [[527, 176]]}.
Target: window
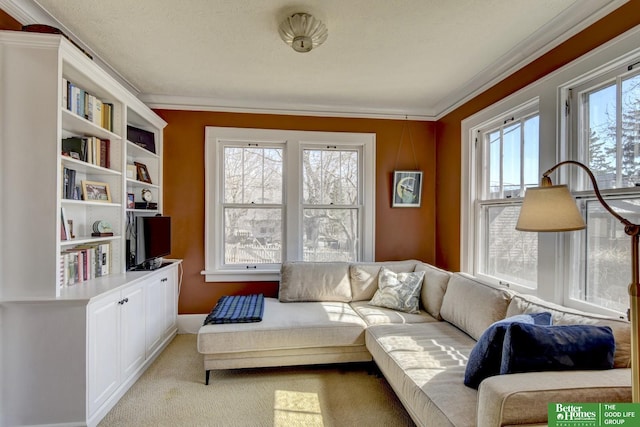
{"points": [[252, 202], [588, 110], [507, 156], [606, 123], [274, 196], [331, 204]]}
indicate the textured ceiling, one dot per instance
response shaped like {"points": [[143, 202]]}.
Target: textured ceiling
{"points": [[382, 57]]}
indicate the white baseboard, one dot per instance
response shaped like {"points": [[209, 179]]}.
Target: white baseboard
{"points": [[190, 323]]}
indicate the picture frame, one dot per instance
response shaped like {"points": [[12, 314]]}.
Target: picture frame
{"points": [[143, 173], [94, 191], [407, 189], [131, 201]]}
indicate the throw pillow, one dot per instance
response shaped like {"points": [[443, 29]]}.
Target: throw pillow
{"points": [[398, 291], [531, 348], [486, 356]]}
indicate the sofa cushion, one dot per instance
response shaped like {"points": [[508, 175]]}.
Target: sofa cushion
{"points": [[534, 348], [315, 281], [383, 316], [424, 364], [523, 399], [434, 286], [398, 291], [472, 305], [566, 316], [287, 326], [364, 276], [486, 356]]}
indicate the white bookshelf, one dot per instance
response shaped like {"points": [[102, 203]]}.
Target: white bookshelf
{"points": [[69, 353], [34, 122]]}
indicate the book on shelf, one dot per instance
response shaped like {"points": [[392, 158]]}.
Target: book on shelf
{"points": [[65, 93], [88, 149], [65, 233], [86, 105], [107, 116], [85, 262], [69, 184]]}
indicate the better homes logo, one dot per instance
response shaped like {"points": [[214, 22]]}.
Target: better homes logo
{"points": [[573, 415], [593, 414]]}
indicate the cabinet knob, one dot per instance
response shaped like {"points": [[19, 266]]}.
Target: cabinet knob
{"points": [[164, 279]]}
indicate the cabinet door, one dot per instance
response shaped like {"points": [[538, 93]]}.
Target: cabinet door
{"points": [[104, 349], [132, 329], [155, 312], [171, 299]]}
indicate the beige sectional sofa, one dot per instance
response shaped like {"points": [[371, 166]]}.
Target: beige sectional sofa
{"points": [[323, 314]]}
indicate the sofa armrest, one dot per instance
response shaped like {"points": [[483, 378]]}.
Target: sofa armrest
{"points": [[523, 398]]}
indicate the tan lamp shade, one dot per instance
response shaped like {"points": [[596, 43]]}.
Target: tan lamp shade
{"points": [[549, 208]]}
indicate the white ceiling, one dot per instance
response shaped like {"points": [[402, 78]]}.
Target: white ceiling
{"points": [[383, 58]]}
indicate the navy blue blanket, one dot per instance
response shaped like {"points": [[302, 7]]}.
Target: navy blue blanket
{"points": [[237, 309]]}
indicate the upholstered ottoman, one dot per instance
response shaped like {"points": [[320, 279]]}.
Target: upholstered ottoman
{"points": [[290, 333]]}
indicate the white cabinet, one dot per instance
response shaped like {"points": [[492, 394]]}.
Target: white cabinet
{"points": [[161, 307], [104, 350], [71, 359], [116, 342]]}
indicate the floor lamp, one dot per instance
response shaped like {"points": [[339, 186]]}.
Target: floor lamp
{"points": [[551, 208]]}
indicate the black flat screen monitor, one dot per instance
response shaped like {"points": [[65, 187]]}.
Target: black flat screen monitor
{"points": [[153, 238]]}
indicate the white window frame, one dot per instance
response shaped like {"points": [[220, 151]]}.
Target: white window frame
{"points": [[478, 159], [293, 142], [552, 92], [572, 124]]}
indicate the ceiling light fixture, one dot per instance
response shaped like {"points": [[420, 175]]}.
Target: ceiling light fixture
{"points": [[303, 32]]}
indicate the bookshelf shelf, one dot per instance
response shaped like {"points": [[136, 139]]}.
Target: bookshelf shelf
{"points": [[139, 152], [75, 124], [85, 167], [83, 240]]}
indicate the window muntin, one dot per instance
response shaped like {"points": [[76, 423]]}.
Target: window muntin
{"points": [[511, 157]]}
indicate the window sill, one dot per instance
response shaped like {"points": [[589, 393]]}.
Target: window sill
{"points": [[241, 276]]}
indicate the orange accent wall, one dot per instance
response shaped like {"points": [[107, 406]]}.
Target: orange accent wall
{"points": [[448, 145], [8, 23], [400, 232]]}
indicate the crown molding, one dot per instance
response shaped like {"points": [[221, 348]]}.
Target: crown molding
{"points": [[578, 17], [169, 102]]}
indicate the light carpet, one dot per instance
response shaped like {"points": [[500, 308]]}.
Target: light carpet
{"points": [[172, 393]]}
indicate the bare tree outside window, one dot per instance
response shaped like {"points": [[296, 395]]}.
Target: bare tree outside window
{"points": [[253, 196], [612, 118], [253, 205], [330, 204]]}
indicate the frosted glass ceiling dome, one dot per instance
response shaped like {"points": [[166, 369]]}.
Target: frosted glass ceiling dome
{"points": [[303, 32]]}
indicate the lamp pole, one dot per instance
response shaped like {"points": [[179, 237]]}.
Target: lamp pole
{"points": [[632, 230]]}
